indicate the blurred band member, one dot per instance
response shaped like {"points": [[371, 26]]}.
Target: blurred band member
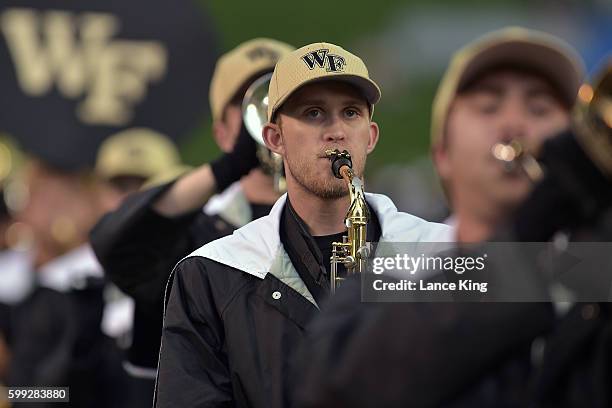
{"points": [[511, 85], [140, 242], [15, 273], [129, 159], [57, 334], [126, 162]]}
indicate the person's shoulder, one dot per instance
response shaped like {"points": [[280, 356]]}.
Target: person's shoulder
{"points": [[195, 267], [202, 278], [401, 226], [251, 249]]}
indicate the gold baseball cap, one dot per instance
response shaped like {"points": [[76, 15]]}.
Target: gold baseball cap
{"points": [[511, 46], [139, 152], [318, 62], [239, 65]]}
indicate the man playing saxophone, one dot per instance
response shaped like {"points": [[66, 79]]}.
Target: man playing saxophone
{"points": [[239, 306]]}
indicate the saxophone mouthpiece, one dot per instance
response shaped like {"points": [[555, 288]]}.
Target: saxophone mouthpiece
{"points": [[339, 160]]}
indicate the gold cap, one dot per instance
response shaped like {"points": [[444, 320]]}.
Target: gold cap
{"points": [[237, 66], [318, 62], [545, 53], [139, 152]]}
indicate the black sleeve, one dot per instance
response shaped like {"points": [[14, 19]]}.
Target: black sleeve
{"points": [[193, 369], [42, 340], [138, 247], [407, 354]]}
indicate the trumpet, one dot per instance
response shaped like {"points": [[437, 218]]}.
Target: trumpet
{"points": [[592, 122], [591, 125], [254, 116], [514, 155], [353, 252]]}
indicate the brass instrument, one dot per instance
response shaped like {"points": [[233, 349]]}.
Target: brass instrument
{"points": [[353, 251], [592, 125], [514, 155], [255, 116], [593, 120]]}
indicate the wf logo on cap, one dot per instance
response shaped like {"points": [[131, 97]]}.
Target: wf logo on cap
{"points": [[322, 58], [263, 52]]}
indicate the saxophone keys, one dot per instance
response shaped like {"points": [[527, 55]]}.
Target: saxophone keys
{"points": [[363, 252]]}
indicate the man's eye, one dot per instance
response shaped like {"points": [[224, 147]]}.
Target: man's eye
{"points": [[313, 113], [539, 110], [540, 107], [488, 108], [351, 113], [485, 103]]}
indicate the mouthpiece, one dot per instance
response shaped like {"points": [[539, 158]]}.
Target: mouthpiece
{"points": [[339, 160]]}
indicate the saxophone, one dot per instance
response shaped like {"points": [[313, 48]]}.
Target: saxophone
{"points": [[353, 251]]}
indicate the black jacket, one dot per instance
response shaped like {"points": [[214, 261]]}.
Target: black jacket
{"points": [[138, 248], [238, 309], [453, 354], [57, 341], [475, 354]]}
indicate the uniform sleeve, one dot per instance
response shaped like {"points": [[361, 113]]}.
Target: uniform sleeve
{"points": [[408, 354], [42, 340], [193, 368], [138, 247]]}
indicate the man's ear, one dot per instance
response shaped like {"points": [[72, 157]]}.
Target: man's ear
{"points": [[272, 137], [373, 139], [439, 154]]}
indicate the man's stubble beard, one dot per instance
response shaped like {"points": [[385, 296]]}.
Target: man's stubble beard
{"points": [[328, 187]]}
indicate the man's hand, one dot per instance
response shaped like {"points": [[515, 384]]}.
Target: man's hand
{"points": [[239, 162]]}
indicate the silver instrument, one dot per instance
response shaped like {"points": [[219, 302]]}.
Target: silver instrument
{"points": [[255, 116]]}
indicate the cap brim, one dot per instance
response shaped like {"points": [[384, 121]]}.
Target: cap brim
{"points": [[370, 90], [558, 64]]}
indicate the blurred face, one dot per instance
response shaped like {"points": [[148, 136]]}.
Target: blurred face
{"points": [[112, 192], [321, 116], [61, 208], [502, 106], [226, 130]]}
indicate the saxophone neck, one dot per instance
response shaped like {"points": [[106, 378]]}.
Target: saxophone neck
{"points": [[358, 208]]}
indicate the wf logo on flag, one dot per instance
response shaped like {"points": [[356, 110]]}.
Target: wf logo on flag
{"points": [[77, 53], [322, 58]]}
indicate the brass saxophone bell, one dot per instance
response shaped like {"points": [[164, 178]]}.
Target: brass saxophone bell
{"points": [[255, 116]]}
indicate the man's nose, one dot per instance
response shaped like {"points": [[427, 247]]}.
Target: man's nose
{"points": [[334, 132], [513, 123]]}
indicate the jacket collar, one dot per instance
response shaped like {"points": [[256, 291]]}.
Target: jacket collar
{"points": [[231, 205], [254, 248], [70, 270]]}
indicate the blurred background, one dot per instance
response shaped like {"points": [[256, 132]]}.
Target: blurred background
{"points": [[406, 46], [63, 108]]}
